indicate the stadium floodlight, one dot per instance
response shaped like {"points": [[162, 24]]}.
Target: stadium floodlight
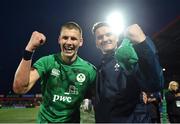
{"points": [[116, 21]]}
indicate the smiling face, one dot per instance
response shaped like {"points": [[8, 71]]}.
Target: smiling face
{"points": [[70, 40], [106, 41]]}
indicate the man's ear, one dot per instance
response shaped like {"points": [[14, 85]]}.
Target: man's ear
{"points": [[117, 38], [97, 45], [81, 42]]}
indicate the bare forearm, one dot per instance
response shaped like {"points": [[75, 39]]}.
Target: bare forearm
{"points": [[21, 79]]}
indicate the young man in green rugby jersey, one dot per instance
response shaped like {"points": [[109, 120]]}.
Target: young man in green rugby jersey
{"points": [[65, 76]]}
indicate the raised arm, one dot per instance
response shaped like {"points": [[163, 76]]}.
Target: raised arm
{"points": [[149, 74], [26, 76]]}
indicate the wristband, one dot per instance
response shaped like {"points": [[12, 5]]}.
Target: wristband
{"points": [[27, 55]]}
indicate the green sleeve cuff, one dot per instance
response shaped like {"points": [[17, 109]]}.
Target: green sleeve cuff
{"points": [[126, 55]]}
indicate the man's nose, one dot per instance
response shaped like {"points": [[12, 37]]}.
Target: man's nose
{"points": [[105, 38], [69, 41]]}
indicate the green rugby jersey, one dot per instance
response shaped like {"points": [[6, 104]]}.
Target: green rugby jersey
{"points": [[63, 87]]}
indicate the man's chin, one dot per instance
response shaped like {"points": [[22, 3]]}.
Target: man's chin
{"points": [[68, 55], [108, 50], [108, 47]]}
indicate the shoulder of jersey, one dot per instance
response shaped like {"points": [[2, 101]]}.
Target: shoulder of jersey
{"points": [[48, 58], [88, 63]]}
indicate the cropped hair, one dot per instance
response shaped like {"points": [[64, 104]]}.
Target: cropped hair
{"points": [[98, 25], [72, 25]]}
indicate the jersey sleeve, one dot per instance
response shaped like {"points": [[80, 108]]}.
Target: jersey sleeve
{"points": [[93, 75], [42, 65], [91, 89]]}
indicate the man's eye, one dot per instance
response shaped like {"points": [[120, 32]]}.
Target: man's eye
{"points": [[65, 37], [73, 38], [100, 37], [108, 34]]}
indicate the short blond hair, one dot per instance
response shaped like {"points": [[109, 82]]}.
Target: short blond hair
{"points": [[72, 25], [171, 83]]}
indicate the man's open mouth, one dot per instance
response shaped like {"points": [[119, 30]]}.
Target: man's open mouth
{"points": [[69, 48]]}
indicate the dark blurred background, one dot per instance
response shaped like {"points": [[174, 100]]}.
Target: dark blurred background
{"points": [[160, 19]]}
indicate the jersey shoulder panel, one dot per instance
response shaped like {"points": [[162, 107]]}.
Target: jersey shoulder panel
{"points": [[86, 63], [44, 64]]}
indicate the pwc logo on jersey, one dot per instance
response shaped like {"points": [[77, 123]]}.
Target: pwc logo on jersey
{"points": [[81, 77], [62, 98]]}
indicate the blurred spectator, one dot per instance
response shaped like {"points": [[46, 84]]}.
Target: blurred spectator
{"points": [[154, 100], [87, 105], [173, 102]]}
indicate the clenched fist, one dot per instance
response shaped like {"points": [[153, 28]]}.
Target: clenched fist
{"points": [[35, 41], [135, 33]]}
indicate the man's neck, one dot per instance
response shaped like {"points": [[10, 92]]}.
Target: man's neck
{"points": [[68, 60], [108, 52]]}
